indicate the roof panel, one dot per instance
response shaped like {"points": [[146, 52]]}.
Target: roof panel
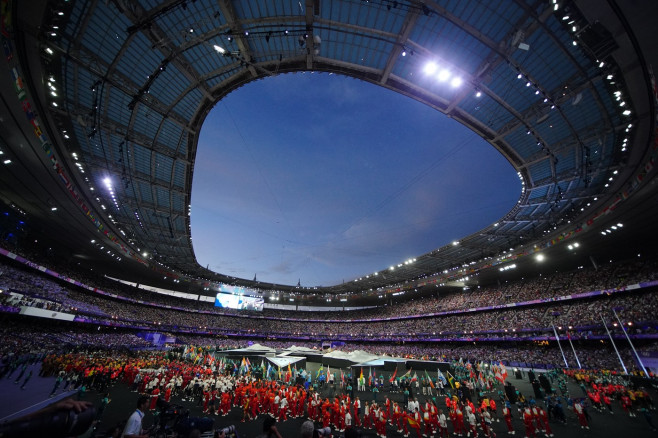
{"points": [[85, 80], [539, 192], [141, 158], [566, 160], [163, 166], [147, 121], [145, 192], [139, 60], [179, 174], [116, 107], [77, 12], [524, 144], [541, 170], [109, 32], [177, 202], [169, 85], [163, 196], [182, 145], [169, 134], [188, 105], [539, 63]]}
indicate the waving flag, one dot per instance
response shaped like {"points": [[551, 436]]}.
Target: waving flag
{"points": [[393, 376], [451, 380], [429, 379], [441, 376], [503, 371]]}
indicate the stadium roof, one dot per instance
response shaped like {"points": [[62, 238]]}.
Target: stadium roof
{"points": [[119, 90]]}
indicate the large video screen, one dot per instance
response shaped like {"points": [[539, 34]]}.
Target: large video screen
{"points": [[233, 297]]}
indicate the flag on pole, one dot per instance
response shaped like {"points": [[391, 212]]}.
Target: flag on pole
{"points": [[429, 379], [480, 380], [407, 374], [393, 376], [415, 377], [503, 371], [451, 380], [370, 377], [441, 377], [328, 373], [320, 370]]}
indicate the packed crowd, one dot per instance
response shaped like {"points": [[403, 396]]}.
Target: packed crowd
{"points": [[583, 316], [35, 336]]}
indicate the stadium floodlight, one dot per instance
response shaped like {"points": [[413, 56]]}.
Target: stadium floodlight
{"points": [[540, 257], [219, 49], [444, 75], [456, 82], [431, 68]]}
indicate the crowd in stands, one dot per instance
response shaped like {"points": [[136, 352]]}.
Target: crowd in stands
{"points": [[36, 336], [582, 316]]}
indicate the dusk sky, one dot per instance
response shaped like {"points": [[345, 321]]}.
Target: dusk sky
{"points": [[323, 179]]}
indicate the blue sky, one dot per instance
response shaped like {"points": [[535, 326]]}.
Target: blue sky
{"points": [[323, 178]]}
